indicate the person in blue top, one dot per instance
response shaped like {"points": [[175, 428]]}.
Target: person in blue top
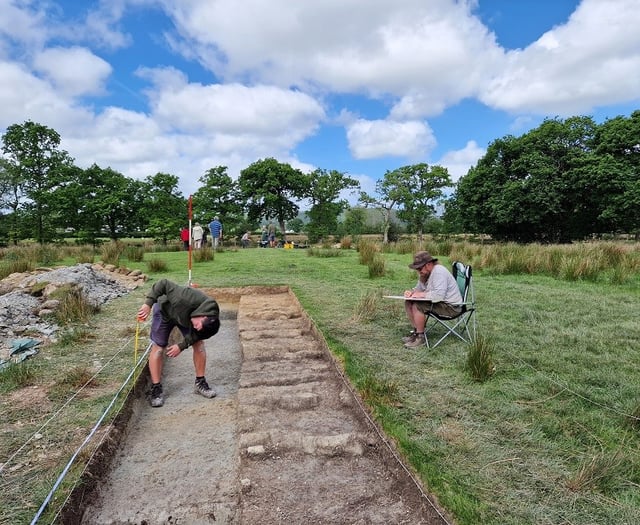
{"points": [[215, 226]]}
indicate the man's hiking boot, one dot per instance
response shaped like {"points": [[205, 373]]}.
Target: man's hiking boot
{"points": [[410, 338], [202, 388], [418, 341], [156, 398]]}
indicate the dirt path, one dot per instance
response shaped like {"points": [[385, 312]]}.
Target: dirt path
{"points": [[285, 441]]}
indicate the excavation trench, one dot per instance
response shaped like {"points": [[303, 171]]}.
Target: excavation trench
{"points": [[286, 441]]}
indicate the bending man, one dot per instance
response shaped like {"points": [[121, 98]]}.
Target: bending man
{"points": [[195, 314]]}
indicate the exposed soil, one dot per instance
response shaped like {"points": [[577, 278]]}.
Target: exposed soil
{"points": [[286, 441]]}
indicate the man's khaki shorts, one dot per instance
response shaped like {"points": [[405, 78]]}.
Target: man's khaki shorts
{"points": [[441, 309]]}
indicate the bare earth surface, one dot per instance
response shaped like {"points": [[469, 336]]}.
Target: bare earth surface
{"points": [[284, 442]]}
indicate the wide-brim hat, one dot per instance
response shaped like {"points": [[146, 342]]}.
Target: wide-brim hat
{"points": [[420, 259]]}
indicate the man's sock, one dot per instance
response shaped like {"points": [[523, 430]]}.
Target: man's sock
{"points": [[199, 379]]}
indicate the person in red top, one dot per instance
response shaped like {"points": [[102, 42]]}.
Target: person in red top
{"points": [[184, 237]]}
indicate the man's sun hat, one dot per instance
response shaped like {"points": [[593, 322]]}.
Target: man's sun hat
{"points": [[420, 259]]}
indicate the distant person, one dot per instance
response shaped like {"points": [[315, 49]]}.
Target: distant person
{"points": [[195, 314], [215, 227], [246, 239], [196, 234], [438, 291], [184, 237], [272, 235], [264, 238]]}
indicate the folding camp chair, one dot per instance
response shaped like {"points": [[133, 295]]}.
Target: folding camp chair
{"points": [[462, 325]]}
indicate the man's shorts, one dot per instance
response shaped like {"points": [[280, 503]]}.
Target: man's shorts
{"points": [[160, 328], [440, 308]]}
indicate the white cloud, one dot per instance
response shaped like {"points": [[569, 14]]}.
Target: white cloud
{"points": [[374, 47], [24, 96], [21, 23], [233, 109], [74, 71], [459, 161], [377, 138], [592, 60]]}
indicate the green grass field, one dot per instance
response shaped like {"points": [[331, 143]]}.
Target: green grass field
{"points": [[552, 437]]}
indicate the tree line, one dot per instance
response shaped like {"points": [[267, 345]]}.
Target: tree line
{"points": [[565, 180], [45, 196]]}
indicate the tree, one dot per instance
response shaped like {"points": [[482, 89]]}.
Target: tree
{"points": [[219, 196], [355, 222], [419, 187], [270, 190], [97, 201], [164, 206], [392, 190], [296, 225], [533, 188], [11, 196], [324, 190], [32, 151], [617, 172]]}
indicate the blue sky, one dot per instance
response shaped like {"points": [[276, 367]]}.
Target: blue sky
{"points": [[360, 86]]}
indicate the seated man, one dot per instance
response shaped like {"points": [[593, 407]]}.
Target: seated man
{"points": [[195, 314], [438, 292]]}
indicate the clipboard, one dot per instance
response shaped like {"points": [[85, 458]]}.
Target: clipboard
{"points": [[402, 297]]}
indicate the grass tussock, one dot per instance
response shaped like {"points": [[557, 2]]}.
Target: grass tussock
{"points": [[368, 306], [17, 375], [602, 473], [480, 363], [75, 335], [78, 377], [346, 242], [204, 254], [84, 255], [7, 267], [377, 267], [329, 251], [406, 247], [134, 253], [74, 379], [367, 250], [111, 252], [156, 265], [73, 307], [376, 392]]}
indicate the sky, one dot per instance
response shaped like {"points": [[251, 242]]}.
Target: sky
{"points": [[359, 86]]}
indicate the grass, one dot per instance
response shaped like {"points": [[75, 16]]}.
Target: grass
{"points": [[73, 307], [480, 359], [17, 375], [550, 437]]}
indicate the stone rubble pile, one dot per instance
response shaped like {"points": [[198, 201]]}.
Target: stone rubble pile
{"points": [[25, 298]]}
